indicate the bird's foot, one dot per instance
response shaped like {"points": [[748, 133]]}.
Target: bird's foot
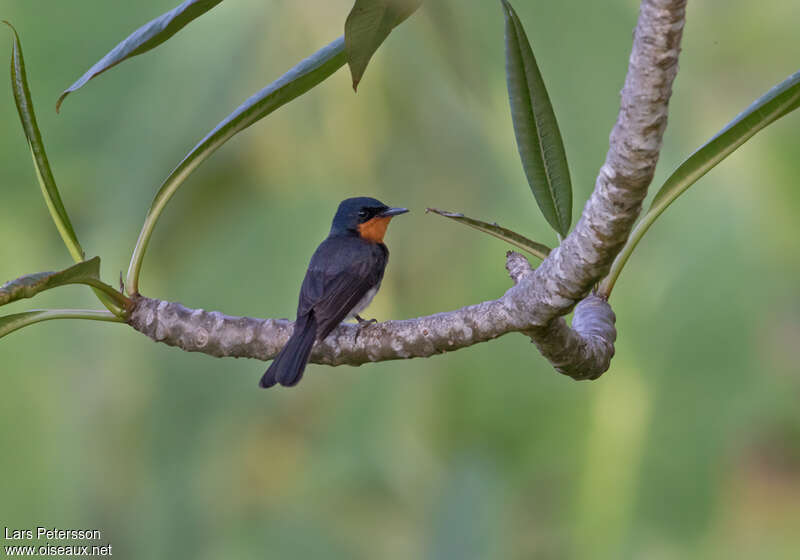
{"points": [[362, 321], [361, 324]]}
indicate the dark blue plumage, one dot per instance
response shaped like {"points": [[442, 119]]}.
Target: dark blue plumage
{"points": [[344, 274]]}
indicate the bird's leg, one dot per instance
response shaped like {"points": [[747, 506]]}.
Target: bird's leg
{"points": [[361, 324], [362, 321]]}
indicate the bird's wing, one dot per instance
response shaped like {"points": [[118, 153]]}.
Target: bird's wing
{"points": [[339, 276]]}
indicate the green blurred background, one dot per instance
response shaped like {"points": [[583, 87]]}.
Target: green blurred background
{"points": [[688, 448]]}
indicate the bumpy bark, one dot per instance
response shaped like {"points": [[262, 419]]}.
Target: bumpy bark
{"points": [[213, 333], [540, 298]]}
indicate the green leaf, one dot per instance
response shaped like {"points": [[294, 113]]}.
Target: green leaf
{"points": [[294, 83], [11, 323], [532, 247], [31, 284], [22, 98], [86, 272], [538, 137], [47, 183], [147, 37], [368, 25], [776, 103]]}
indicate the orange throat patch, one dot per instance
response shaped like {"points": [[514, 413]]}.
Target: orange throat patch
{"points": [[374, 229]]}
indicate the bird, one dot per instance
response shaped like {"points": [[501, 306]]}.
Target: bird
{"points": [[343, 276]]}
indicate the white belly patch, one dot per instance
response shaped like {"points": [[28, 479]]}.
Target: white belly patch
{"points": [[365, 301]]}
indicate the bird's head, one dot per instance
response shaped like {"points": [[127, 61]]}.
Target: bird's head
{"points": [[365, 217]]}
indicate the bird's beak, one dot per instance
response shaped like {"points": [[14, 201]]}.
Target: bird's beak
{"points": [[389, 212]]}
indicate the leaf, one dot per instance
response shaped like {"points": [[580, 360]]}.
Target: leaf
{"points": [[31, 284], [22, 98], [532, 247], [368, 25], [298, 80], [147, 37], [776, 103], [86, 272], [11, 323], [538, 137]]}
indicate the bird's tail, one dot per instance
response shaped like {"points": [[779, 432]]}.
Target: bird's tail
{"points": [[287, 368]]}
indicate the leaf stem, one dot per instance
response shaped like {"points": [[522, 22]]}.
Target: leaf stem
{"points": [[11, 323], [114, 301]]}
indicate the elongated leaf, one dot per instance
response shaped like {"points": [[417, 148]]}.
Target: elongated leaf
{"points": [[294, 83], [538, 137], [532, 247], [776, 103], [11, 323], [147, 37], [31, 284], [368, 25], [86, 272], [22, 98], [47, 183]]}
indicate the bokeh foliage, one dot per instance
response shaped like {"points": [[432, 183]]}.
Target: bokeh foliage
{"points": [[689, 447]]}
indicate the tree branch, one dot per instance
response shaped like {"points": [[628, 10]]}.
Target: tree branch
{"points": [[586, 254], [540, 298], [213, 333]]}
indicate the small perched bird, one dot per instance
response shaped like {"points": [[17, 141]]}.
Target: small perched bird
{"points": [[343, 276]]}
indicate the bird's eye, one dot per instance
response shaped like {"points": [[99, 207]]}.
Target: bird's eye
{"points": [[363, 213]]}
